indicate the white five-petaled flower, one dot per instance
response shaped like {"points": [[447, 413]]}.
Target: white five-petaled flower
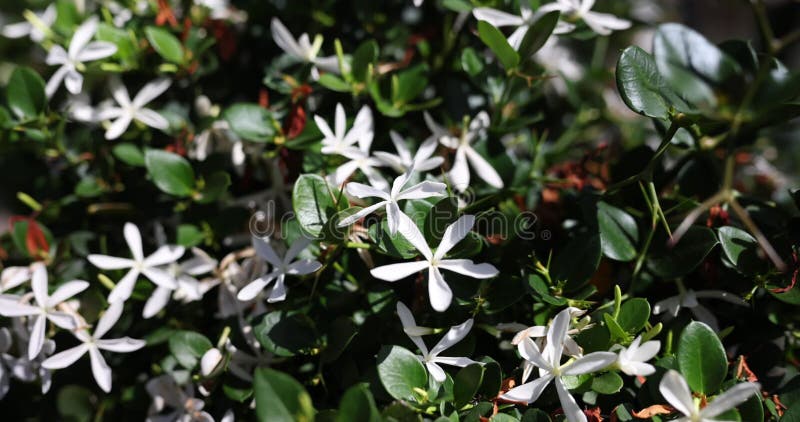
{"points": [[431, 359], [390, 198], [438, 290], [675, 390], [20, 29], [128, 110], [360, 159], [166, 393], [138, 265], [522, 22], [339, 140], [188, 289], [302, 49], [403, 160], [93, 343], [280, 268], [71, 60], [459, 173], [44, 308], [688, 299], [633, 359], [601, 23], [550, 368]]}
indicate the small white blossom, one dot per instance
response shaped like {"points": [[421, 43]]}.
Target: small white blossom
{"points": [[189, 289], [675, 390], [688, 299], [45, 307], [93, 343], [280, 268], [390, 199], [128, 110], [167, 394], [22, 29], [339, 140], [550, 368], [147, 266], [403, 160], [431, 359], [459, 174], [633, 359], [71, 60], [573, 10], [302, 49], [438, 290]]}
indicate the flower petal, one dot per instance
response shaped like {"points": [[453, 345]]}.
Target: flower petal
{"points": [[439, 292], [592, 362], [150, 91], [119, 126], [436, 372], [160, 277], [39, 284], [735, 396], [96, 51], [250, 291], [151, 118], [100, 369], [529, 392], [109, 318], [496, 17], [37, 337], [459, 173], [284, 39], [675, 390], [360, 190], [529, 351], [454, 234], [121, 345], [352, 218], [65, 358], [265, 250], [469, 268], [164, 255], [156, 302], [423, 190], [568, 404], [408, 228], [124, 288], [82, 36], [66, 291], [483, 169], [134, 239], [453, 336], [394, 272]]}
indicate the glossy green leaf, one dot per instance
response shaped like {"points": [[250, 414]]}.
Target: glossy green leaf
{"points": [[538, 34], [312, 202], [25, 92], [618, 232], [400, 371], [188, 347], [357, 404], [129, 154], [170, 172], [641, 86], [740, 248], [280, 398], [701, 358], [286, 334], [470, 62], [608, 383], [685, 256], [167, 46], [497, 42], [365, 56], [466, 383], [633, 314], [251, 121]]}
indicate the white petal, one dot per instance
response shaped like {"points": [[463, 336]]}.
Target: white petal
{"points": [[82, 35], [160, 277], [423, 190], [675, 390], [735, 396], [483, 169], [37, 337], [436, 372], [65, 358], [529, 351], [74, 81], [39, 284], [454, 234], [109, 318], [393, 217], [701, 313], [604, 23], [721, 295], [284, 39], [400, 146], [100, 369], [303, 267], [568, 404], [96, 51], [340, 121], [647, 351], [469, 268], [62, 320], [55, 80], [408, 228], [250, 291], [592, 362], [11, 308], [439, 292], [297, 247], [671, 304], [164, 255], [555, 336], [638, 369], [496, 17], [360, 214], [360, 190], [14, 276], [119, 92], [453, 336], [265, 251], [516, 37], [394, 272], [529, 392], [343, 172], [16, 30], [121, 345], [66, 291], [118, 127], [454, 361], [124, 288], [325, 129], [134, 239], [278, 291], [328, 64], [156, 302], [57, 55], [210, 360], [152, 118], [459, 172], [151, 91]]}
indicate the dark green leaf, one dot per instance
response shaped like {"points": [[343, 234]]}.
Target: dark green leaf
{"points": [[641, 86], [608, 383], [312, 202], [166, 45], [618, 232], [170, 172], [280, 398], [129, 154], [684, 257], [466, 383], [497, 42], [701, 358], [215, 186], [633, 314], [365, 56], [188, 347], [25, 92], [538, 34], [740, 248], [358, 405], [470, 62], [400, 372], [286, 335], [251, 121]]}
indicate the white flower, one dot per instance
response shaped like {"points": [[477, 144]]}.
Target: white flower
{"points": [[601, 23], [403, 161], [12, 277], [138, 265], [93, 343], [21, 29], [23, 368], [302, 49], [167, 394], [219, 136], [188, 289], [360, 159], [522, 23], [280, 268], [134, 110], [438, 290], [340, 140], [539, 333], [633, 359], [431, 359], [459, 173], [5, 372], [391, 198], [675, 390], [210, 361], [550, 368], [71, 61], [688, 299], [45, 307]]}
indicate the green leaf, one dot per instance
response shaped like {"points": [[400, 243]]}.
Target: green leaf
{"points": [[188, 347], [701, 358], [251, 121], [75, 403], [400, 372], [365, 55], [25, 91], [357, 404], [333, 82], [339, 335], [286, 334], [535, 415], [633, 314], [684, 257], [470, 62], [577, 261], [312, 202], [492, 380], [617, 332], [166, 45], [497, 42], [740, 248], [170, 172], [189, 235], [129, 154], [641, 86], [126, 49], [280, 398], [608, 383], [215, 186], [409, 83], [618, 232], [538, 34], [466, 383]]}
